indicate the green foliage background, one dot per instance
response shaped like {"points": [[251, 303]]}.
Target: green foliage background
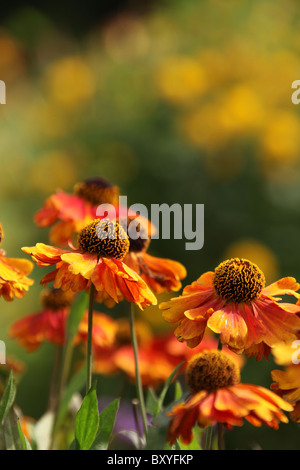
{"points": [[224, 134]]}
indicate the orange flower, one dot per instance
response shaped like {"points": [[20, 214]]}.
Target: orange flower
{"points": [[13, 275], [105, 357], [71, 212], [104, 330], [219, 397], [50, 324], [233, 302], [101, 247], [159, 353], [47, 325], [287, 381]]}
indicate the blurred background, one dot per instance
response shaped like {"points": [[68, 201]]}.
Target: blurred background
{"points": [[175, 102]]}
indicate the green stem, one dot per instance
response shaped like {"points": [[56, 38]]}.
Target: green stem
{"points": [[66, 364], [89, 354], [137, 371], [209, 433], [53, 393]]}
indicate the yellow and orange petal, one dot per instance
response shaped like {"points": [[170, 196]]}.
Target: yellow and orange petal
{"points": [[76, 271], [13, 277], [229, 406], [242, 325], [161, 275], [287, 385]]}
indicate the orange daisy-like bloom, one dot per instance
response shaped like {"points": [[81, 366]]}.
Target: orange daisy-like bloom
{"points": [[47, 325], [13, 275], [105, 362], [219, 397], [233, 302], [50, 324], [104, 331], [102, 245], [69, 213]]}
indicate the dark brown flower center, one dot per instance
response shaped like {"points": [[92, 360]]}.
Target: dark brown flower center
{"points": [[56, 299], [238, 280], [139, 241], [105, 238], [210, 370], [97, 191]]}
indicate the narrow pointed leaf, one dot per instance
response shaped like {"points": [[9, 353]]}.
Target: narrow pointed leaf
{"points": [[87, 421], [8, 397], [106, 426]]}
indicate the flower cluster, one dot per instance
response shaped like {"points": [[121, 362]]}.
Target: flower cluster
{"points": [[222, 317]]}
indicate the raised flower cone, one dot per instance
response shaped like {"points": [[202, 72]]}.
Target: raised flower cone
{"points": [[233, 302], [218, 396]]}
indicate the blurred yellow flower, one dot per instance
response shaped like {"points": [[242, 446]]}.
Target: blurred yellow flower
{"points": [[70, 81], [280, 141], [180, 79], [203, 128], [241, 110]]}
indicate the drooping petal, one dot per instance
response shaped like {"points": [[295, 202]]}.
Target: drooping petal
{"points": [[230, 325], [190, 331], [280, 324], [44, 255]]}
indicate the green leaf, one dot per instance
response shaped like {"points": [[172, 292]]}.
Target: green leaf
{"points": [[151, 401], [178, 391], [8, 397], [11, 432], [106, 426], [87, 420], [24, 440], [165, 389], [75, 384], [78, 308]]}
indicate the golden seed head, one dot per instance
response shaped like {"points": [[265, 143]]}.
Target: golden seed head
{"points": [[56, 299], [210, 370], [97, 191], [105, 238], [238, 280]]}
